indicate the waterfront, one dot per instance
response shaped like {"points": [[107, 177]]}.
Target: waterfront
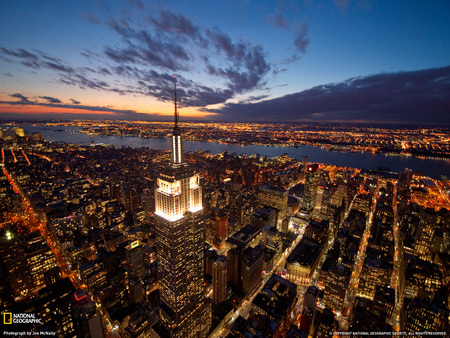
{"points": [[434, 168]]}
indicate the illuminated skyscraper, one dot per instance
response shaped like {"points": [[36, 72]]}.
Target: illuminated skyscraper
{"points": [[311, 184], [220, 280], [179, 243]]}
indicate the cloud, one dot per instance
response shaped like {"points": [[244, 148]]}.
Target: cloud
{"points": [[176, 45], [20, 53], [23, 99], [144, 48], [29, 60], [90, 18], [277, 20], [190, 93], [38, 60], [421, 97], [300, 32], [342, 4], [51, 99], [365, 5], [301, 40], [298, 29], [176, 23], [138, 4], [84, 82], [151, 49], [56, 103], [248, 64]]}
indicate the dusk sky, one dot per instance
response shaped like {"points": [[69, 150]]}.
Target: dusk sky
{"points": [[236, 60]]}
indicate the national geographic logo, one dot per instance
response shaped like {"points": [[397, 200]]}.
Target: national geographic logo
{"points": [[7, 318], [20, 318]]}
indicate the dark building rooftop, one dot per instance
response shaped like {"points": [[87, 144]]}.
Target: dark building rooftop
{"points": [[305, 253], [276, 297], [244, 236]]}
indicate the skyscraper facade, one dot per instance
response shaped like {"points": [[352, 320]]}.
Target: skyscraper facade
{"points": [[179, 243], [311, 183], [220, 280]]}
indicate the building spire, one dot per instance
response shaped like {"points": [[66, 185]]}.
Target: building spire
{"points": [[175, 101], [177, 150]]}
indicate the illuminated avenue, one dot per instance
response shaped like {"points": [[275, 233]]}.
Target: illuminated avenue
{"points": [[290, 248]]}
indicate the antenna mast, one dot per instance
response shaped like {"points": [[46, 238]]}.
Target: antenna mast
{"points": [[175, 100]]}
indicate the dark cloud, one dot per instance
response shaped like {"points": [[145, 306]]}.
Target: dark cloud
{"points": [[248, 63], [90, 18], [23, 99], [53, 102], [146, 59], [58, 67], [301, 40], [138, 4], [174, 23], [19, 53], [277, 20], [87, 53], [75, 101], [142, 47], [80, 77], [298, 29], [174, 47], [29, 60], [31, 64], [190, 93], [50, 99], [84, 82], [38, 60], [104, 71], [410, 97]]}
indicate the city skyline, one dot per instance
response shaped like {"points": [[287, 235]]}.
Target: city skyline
{"points": [[357, 61], [123, 242]]}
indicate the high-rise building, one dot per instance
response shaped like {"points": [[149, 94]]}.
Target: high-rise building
{"points": [[251, 268], [338, 278], [220, 280], [179, 243], [86, 319], [135, 260], [221, 223], [311, 183], [276, 198], [40, 258], [14, 267]]}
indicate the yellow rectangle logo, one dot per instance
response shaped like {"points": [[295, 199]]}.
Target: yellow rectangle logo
{"points": [[7, 318]]}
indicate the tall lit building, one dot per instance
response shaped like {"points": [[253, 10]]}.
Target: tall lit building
{"points": [[274, 197], [179, 243], [311, 183], [220, 280]]}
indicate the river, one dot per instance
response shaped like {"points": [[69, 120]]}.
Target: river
{"points": [[430, 167]]}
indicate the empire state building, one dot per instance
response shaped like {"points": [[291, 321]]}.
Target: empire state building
{"points": [[179, 242]]}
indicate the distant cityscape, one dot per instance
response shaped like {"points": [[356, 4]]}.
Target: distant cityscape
{"points": [[432, 142], [105, 241]]}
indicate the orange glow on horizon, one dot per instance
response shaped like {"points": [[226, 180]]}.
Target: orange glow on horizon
{"points": [[37, 110]]}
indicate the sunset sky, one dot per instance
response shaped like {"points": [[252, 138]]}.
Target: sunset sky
{"points": [[236, 60]]}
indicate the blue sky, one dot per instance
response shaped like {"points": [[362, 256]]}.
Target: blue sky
{"points": [[343, 60]]}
